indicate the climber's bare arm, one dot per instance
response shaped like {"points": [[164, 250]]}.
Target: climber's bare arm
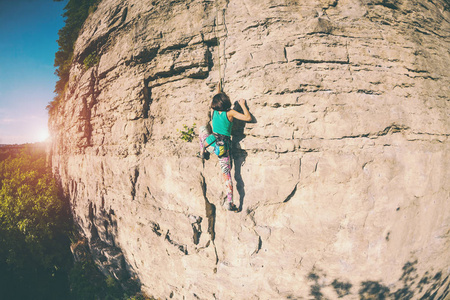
{"points": [[232, 114]]}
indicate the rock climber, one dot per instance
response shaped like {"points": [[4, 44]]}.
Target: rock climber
{"points": [[219, 142]]}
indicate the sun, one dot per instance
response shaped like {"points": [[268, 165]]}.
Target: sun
{"points": [[43, 135]]}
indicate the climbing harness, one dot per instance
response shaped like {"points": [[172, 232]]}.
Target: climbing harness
{"points": [[222, 144], [221, 148]]}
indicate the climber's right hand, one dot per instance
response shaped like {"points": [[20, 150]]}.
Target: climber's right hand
{"points": [[242, 102]]}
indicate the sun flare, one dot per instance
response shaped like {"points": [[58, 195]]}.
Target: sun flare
{"points": [[43, 135]]}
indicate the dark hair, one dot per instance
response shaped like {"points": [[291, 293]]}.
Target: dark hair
{"points": [[221, 102]]}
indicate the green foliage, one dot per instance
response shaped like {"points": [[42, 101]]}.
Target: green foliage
{"points": [[188, 133], [93, 7], [13, 151], [87, 282], [84, 280], [91, 60], [53, 105], [76, 12], [139, 297], [34, 223]]}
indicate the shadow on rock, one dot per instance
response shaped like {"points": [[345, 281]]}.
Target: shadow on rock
{"points": [[239, 155], [433, 287]]}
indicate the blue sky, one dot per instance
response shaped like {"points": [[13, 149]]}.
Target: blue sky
{"points": [[28, 35]]}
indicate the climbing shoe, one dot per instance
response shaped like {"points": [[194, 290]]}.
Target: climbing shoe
{"points": [[203, 155], [231, 207]]}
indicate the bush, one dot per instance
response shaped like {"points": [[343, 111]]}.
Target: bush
{"points": [[188, 133]]}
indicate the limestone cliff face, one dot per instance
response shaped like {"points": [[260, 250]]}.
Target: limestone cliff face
{"points": [[343, 176]]}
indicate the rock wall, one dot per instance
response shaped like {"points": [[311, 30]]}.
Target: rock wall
{"points": [[342, 176]]}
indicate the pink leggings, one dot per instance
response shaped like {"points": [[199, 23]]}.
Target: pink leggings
{"points": [[224, 161]]}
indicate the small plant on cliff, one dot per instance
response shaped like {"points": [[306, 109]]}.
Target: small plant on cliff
{"points": [[91, 60], [188, 133]]}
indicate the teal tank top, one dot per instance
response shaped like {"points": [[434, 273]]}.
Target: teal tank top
{"points": [[221, 125]]}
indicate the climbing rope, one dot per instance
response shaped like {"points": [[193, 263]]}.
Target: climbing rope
{"points": [[133, 35], [216, 23]]}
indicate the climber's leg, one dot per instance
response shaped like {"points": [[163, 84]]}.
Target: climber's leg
{"points": [[203, 135], [225, 166]]}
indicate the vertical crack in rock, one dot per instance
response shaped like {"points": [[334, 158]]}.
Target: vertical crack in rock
{"points": [[124, 15], [210, 210], [85, 127], [209, 55], [113, 224], [258, 247], [348, 60], [147, 92], [93, 228], [133, 179], [289, 197], [88, 101], [196, 228]]}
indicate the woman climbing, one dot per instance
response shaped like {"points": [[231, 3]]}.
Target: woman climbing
{"points": [[220, 141]]}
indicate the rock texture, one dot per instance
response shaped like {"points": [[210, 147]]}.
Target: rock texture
{"points": [[343, 176]]}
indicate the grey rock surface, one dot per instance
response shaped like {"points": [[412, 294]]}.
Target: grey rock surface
{"points": [[343, 176]]}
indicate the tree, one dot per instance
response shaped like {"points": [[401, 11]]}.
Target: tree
{"points": [[76, 12], [34, 226]]}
